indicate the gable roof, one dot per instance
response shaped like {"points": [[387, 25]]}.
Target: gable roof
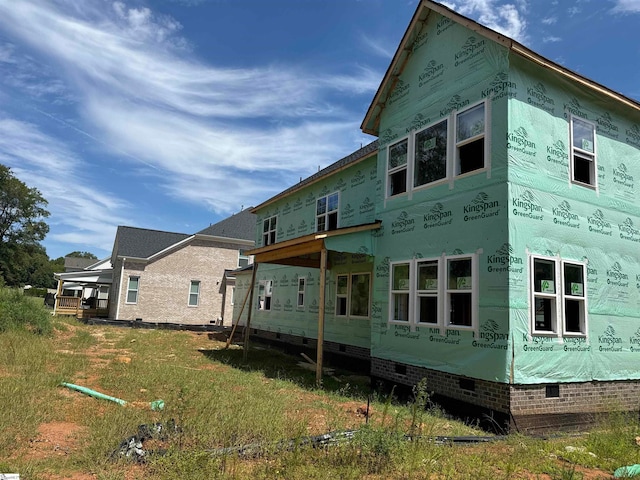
{"points": [[241, 225], [360, 154], [142, 243], [74, 264], [371, 121]]}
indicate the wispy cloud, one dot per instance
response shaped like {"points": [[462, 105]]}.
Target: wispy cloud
{"points": [[551, 39], [626, 6], [550, 20], [377, 47], [144, 98], [504, 18]]}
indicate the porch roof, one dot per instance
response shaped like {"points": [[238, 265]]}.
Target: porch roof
{"points": [[305, 251]]}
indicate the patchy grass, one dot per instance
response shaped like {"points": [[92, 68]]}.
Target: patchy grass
{"points": [[217, 401]]}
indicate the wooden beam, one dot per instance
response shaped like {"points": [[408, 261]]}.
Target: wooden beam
{"points": [[293, 251], [300, 262], [320, 346], [245, 347]]}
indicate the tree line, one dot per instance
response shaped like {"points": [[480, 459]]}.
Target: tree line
{"points": [[23, 213]]}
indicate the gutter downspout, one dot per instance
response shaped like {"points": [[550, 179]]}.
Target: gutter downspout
{"points": [[119, 290]]}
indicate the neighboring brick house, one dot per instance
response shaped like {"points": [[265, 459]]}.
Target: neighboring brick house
{"points": [[176, 278], [488, 241]]}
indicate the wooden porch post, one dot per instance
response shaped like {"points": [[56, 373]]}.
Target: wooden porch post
{"points": [[245, 347], [320, 346], [58, 294]]}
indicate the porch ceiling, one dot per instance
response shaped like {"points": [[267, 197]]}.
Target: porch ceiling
{"points": [[304, 251]]}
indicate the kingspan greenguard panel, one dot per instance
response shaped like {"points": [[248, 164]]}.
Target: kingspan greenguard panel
{"points": [[289, 314], [450, 69], [296, 213], [553, 217]]}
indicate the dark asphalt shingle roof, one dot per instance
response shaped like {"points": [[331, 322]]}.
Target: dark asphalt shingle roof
{"points": [[343, 162], [242, 225], [142, 242], [74, 264]]}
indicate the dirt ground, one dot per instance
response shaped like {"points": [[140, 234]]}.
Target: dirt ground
{"points": [[62, 438]]}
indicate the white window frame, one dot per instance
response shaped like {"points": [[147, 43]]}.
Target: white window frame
{"points": [[328, 213], [192, 293], [348, 295], [265, 293], [269, 230], [558, 319], [441, 292], [136, 290], [584, 154], [447, 167], [395, 170], [302, 286], [452, 156], [241, 256], [233, 295]]}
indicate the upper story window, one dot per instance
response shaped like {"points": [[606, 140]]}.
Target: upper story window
{"points": [[397, 168], [269, 227], [583, 152], [558, 296], [439, 152], [470, 150], [132, 289], [194, 293], [430, 154], [327, 212], [439, 292]]}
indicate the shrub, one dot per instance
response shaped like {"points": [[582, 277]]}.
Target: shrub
{"points": [[20, 312]]}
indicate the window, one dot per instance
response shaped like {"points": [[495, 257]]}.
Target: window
{"points": [[427, 287], [269, 231], [194, 293], [452, 146], [430, 154], [327, 212], [353, 295], [558, 294], [400, 292], [301, 288], [233, 295], [439, 292], [132, 290], [397, 168], [470, 139], [459, 292], [264, 294], [583, 152], [243, 260]]}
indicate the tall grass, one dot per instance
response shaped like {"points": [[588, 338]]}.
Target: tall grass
{"points": [[20, 312]]}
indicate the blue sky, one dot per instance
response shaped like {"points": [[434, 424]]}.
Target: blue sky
{"points": [[174, 114]]}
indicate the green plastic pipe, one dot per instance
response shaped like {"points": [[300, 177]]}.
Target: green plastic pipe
{"points": [[155, 405]]}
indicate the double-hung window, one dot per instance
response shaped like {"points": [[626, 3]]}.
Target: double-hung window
{"points": [[558, 296], [265, 290], [353, 295], [132, 289], [438, 292], [454, 145], [327, 212], [470, 139], [269, 227], [397, 168], [301, 290], [194, 293], [583, 152]]}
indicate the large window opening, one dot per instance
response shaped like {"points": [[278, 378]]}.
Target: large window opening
{"points": [[269, 227], [327, 212], [470, 126], [353, 295]]}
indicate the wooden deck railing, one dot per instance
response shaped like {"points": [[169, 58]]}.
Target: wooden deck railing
{"points": [[73, 306]]}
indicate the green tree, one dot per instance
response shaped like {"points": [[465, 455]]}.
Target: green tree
{"points": [[82, 255], [22, 227]]}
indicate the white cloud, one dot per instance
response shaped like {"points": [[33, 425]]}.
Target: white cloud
{"points": [[183, 122], [377, 47], [503, 18], [551, 39], [626, 6], [550, 20]]}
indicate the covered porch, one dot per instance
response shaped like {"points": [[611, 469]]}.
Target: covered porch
{"points": [[83, 294]]}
